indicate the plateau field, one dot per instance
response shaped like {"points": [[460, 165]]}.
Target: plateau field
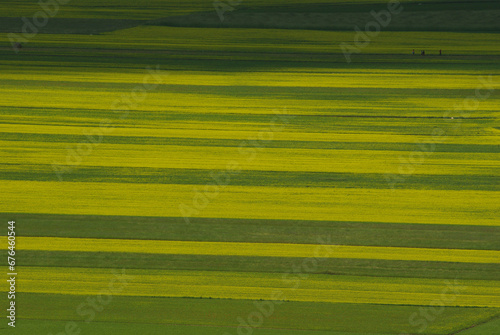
{"points": [[175, 168]]}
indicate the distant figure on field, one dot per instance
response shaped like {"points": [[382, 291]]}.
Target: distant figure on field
{"points": [[18, 46], [439, 52], [413, 53]]}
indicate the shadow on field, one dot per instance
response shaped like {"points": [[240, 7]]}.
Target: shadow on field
{"points": [[430, 16], [69, 25]]}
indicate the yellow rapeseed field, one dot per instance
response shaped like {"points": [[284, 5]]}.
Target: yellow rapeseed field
{"points": [[236, 285], [467, 207]]}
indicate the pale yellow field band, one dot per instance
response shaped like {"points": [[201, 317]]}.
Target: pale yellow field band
{"points": [[255, 286], [256, 249]]}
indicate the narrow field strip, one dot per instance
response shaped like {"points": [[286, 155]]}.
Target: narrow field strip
{"points": [[337, 79], [475, 208], [366, 233], [337, 266], [259, 40], [143, 175], [247, 158], [224, 104], [226, 131], [235, 285], [256, 249]]}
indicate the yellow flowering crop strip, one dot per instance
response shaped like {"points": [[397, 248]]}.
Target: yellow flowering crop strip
{"points": [[467, 207], [234, 285], [255, 249]]}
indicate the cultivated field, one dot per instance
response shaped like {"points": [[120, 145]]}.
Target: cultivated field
{"points": [[193, 177]]}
